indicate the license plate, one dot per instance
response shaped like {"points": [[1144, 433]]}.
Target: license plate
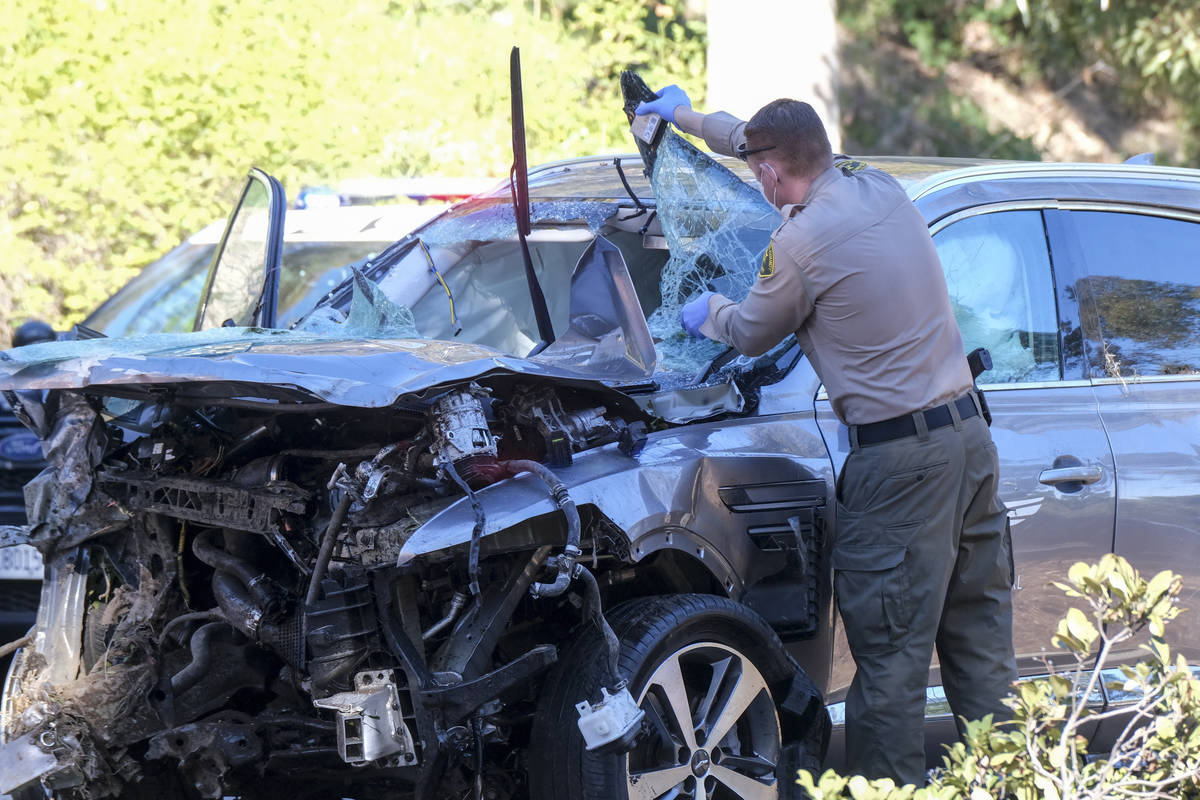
{"points": [[20, 562]]}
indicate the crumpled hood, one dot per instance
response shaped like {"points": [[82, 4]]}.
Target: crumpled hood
{"points": [[360, 372]]}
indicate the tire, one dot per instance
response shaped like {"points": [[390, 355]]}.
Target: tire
{"points": [[722, 656]]}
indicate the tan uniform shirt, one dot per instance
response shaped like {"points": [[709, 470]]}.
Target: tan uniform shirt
{"points": [[853, 272]]}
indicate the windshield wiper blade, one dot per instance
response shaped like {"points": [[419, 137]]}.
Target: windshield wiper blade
{"points": [[519, 182]]}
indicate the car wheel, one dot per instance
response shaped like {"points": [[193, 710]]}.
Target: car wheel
{"points": [[707, 672]]}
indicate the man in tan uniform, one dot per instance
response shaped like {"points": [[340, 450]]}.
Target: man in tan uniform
{"points": [[922, 556]]}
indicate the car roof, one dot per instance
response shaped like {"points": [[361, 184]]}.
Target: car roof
{"points": [[373, 223], [945, 192]]}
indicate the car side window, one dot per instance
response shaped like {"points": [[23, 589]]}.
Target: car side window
{"points": [[1001, 289], [1142, 290]]}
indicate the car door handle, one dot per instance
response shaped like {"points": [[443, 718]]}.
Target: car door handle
{"points": [[1079, 474]]}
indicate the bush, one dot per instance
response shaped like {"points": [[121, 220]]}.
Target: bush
{"points": [[1041, 753], [130, 123]]}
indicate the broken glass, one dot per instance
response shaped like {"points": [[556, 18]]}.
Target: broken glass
{"points": [[371, 315], [717, 228]]}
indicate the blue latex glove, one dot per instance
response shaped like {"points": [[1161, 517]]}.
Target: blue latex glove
{"points": [[669, 99], [693, 315]]}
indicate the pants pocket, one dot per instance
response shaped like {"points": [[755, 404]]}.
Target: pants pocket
{"points": [[871, 584], [871, 482]]}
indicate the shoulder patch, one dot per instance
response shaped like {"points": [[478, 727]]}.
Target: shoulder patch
{"points": [[768, 263], [850, 166]]}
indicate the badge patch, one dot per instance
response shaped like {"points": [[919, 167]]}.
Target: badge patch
{"points": [[768, 263], [850, 166]]}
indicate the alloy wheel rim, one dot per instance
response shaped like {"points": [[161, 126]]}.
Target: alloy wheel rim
{"points": [[713, 730]]}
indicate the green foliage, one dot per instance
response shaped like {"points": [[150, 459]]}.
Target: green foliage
{"points": [[1151, 46], [933, 27], [1041, 753], [1154, 45], [129, 123]]}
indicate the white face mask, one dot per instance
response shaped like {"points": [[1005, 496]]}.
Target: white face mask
{"points": [[762, 184]]}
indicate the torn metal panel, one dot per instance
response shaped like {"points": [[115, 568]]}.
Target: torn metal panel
{"points": [[696, 403], [14, 535], [607, 332], [62, 508], [22, 761], [280, 365]]}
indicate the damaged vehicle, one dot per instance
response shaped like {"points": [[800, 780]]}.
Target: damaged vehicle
{"points": [[484, 523]]}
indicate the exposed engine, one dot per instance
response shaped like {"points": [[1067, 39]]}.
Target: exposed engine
{"points": [[233, 569]]}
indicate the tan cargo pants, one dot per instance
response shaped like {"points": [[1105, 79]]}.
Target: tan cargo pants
{"points": [[922, 558]]}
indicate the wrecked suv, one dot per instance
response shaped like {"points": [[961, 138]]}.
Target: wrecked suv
{"points": [[439, 537], [486, 523]]}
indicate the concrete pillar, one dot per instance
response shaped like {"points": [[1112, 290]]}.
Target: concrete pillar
{"points": [[759, 50]]}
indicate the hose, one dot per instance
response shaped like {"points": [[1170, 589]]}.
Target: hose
{"points": [[327, 543], [234, 601], [596, 612], [456, 605], [558, 491], [476, 531], [252, 578], [212, 615], [201, 647]]}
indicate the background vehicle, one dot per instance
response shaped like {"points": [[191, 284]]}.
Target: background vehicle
{"points": [[318, 244], [620, 466], [20, 565]]}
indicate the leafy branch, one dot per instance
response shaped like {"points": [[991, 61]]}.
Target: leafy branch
{"points": [[1042, 752]]}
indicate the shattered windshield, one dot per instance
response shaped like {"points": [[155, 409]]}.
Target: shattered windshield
{"points": [[717, 228], [615, 272], [707, 229]]}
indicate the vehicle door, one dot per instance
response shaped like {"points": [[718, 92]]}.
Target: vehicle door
{"points": [[1056, 468], [1140, 298], [242, 287]]}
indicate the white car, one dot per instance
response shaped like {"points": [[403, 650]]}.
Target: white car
{"points": [[163, 297]]}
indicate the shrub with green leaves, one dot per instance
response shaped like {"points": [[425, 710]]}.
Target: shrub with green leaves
{"points": [[128, 124], [1041, 752]]}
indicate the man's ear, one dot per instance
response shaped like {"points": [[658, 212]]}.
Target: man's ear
{"points": [[768, 168]]}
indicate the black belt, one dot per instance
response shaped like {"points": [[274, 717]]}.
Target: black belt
{"points": [[899, 427]]}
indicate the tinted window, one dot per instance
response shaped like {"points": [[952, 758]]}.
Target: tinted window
{"points": [[310, 270], [161, 299], [1001, 288], [1143, 290]]}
